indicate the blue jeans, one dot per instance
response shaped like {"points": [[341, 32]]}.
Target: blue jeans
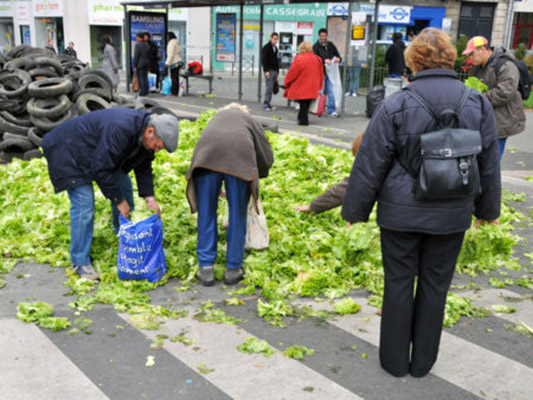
{"points": [[208, 185], [142, 74], [502, 142], [353, 75], [328, 85], [82, 219], [126, 188]]}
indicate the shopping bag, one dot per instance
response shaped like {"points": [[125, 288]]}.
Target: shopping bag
{"points": [[135, 85], [317, 105], [332, 70], [140, 249], [275, 87], [256, 228], [166, 87]]}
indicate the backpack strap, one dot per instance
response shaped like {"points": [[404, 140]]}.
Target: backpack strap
{"points": [[422, 102], [463, 100]]}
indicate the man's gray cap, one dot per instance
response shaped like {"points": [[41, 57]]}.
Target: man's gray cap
{"points": [[167, 129]]}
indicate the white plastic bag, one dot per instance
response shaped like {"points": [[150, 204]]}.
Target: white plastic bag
{"points": [[256, 228], [332, 70]]}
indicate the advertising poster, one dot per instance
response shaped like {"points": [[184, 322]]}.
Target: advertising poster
{"points": [[225, 50], [153, 23]]}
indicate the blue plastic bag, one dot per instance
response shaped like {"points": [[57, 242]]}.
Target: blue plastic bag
{"points": [[167, 85], [140, 249]]}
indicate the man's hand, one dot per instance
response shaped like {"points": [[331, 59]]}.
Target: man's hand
{"points": [[328, 61], [124, 208], [267, 74], [479, 222], [152, 205], [336, 59]]}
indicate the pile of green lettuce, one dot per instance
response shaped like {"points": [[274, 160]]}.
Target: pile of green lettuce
{"points": [[309, 255]]}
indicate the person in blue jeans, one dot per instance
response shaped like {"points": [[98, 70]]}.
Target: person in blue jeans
{"points": [[142, 56], [232, 149], [103, 147]]}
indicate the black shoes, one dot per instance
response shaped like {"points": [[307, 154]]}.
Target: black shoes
{"points": [[206, 276]]}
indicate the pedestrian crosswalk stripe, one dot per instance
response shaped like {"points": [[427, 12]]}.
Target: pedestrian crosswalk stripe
{"points": [[238, 374], [490, 297], [465, 364], [32, 367]]}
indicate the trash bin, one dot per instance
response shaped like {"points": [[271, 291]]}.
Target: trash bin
{"points": [[373, 98]]}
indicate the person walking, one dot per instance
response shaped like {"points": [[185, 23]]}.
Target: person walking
{"points": [[174, 62], [154, 59], [304, 80], [109, 61], [329, 54], [104, 146], [232, 148], [354, 72], [141, 63], [420, 238], [395, 57], [495, 67], [270, 61], [69, 51]]}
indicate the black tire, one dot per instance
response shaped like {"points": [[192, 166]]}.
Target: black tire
{"points": [[50, 62], [21, 119], [274, 128], [121, 99], [159, 110], [14, 106], [52, 87], [17, 50], [48, 108], [24, 63], [43, 72], [47, 124], [146, 104], [14, 83], [16, 145], [6, 126], [103, 93], [90, 81], [90, 102], [35, 136], [9, 135], [98, 72], [75, 70], [31, 154], [10, 156], [127, 105]]}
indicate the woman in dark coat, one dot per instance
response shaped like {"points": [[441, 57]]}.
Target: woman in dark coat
{"points": [[304, 80], [419, 238], [233, 148]]}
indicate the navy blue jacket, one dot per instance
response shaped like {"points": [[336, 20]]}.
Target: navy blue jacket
{"points": [[93, 146], [393, 134]]}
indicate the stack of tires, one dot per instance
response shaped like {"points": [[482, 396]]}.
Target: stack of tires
{"points": [[40, 90]]}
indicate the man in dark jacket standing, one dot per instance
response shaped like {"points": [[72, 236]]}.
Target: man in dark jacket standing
{"points": [[141, 63], [103, 147], [154, 59], [328, 52], [69, 51], [497, 70], [394, 56], [270, 60]]}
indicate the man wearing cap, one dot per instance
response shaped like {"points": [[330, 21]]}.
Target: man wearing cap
{"points": [[103, 147], [495, 68]]}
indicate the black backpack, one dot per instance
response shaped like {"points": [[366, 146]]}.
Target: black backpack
{"points": [[524, 84], [449, 168]]}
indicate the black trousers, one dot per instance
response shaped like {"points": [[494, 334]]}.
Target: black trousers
{"points": [[409, 320], [303, 113], [175, 79]]}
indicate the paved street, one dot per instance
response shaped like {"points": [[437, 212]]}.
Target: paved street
{"points": [[478, 359]]}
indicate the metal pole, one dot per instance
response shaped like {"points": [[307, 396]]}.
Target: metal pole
{"points": [[241, 34], [260, 74], [508, 24], [346, 52], [127, 40], [373, 51]]}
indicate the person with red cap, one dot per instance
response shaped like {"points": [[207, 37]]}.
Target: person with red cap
{"points": [[492, 67]]}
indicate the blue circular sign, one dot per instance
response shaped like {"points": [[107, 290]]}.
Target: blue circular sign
{"points": [[399, 14]]}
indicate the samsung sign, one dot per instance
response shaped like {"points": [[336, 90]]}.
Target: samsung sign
{"points": [[394, 14]]}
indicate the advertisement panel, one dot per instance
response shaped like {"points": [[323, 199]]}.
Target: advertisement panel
{"points": [[153, 23], [225, 37]]}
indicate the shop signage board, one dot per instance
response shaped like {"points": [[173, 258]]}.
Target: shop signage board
{"points": [[111, 12], [225, 37], [48, 8], [22, 12], [394, 14], [304, 28], [5, 9]]}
